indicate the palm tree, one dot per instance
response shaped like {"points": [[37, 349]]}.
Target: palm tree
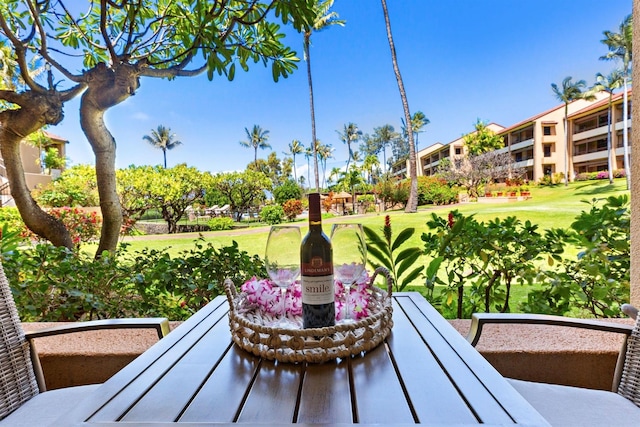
{"points": [[164, 139], [324, 152], [295, 147], [370, 162], [608, 84], [620, 48], [418, 121], [308, 153], [569, 92], [335, 174], [384, 136], [350, 134], [412, 203], [323, 18], [350, 180], [257, 138]]}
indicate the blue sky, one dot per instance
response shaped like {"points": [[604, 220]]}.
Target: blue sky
{"points": [[460, 60]]}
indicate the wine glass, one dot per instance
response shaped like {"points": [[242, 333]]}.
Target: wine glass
{"points": [[282, 259], [349, 258]]}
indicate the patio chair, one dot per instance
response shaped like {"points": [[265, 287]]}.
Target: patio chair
{"points": [[574, 406], [24, 400]]}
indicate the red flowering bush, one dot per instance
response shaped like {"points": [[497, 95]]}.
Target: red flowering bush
{"points": [[82, 226]]}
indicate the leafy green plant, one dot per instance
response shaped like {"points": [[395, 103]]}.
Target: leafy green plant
{"points": [[272, 214], [387, 252], [597, 282], [9, 240], [220, 223]]}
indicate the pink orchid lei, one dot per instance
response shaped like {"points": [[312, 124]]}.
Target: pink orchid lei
{"points": [[266, 295]]}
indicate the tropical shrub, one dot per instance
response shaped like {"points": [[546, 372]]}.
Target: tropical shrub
{"points": [[54, 284], [292, 208], [272, 214], [220, 223], [596, 282], [436, 191]]}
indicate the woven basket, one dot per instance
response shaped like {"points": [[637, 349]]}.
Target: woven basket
{"points": [[314, 345]]}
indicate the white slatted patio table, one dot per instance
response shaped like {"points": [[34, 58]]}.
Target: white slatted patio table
{"points": [[424, 373]]}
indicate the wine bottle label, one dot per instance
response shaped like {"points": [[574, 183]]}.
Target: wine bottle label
{"points": [[317, 290]]}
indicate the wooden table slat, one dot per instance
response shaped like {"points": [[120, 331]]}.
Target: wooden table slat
{"points": [[325, 391], [378, 394], [222, 395], [274, 394]]}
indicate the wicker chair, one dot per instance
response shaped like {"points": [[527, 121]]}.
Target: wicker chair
{"points": [[573, 406], [24, 400]]}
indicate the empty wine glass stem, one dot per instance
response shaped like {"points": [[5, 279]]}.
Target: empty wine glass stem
{"points": [[347, 301], [283, 293]]}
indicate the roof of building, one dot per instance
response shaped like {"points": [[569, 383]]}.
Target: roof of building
{"points": [[600, 104], [54, 136]]}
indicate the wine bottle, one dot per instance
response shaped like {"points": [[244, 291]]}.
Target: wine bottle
{"points": [[316, 264]]}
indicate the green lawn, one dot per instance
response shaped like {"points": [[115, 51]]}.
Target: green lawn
{"points": [[549, 207]]}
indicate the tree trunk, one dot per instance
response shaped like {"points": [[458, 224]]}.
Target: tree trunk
{"points": [[107, 87], [412, 203], [625, 134], [313, 112], [36, 110], [609, 161]]}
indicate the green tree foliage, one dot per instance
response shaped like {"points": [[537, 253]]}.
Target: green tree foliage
{"points": [[482, 140], [174, 190], [244, 190], [121, 42], [76, 186], [287, 191]]}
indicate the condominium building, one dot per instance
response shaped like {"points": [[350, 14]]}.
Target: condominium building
{"points": [[34, 172], [537, 143], [589, 132]]}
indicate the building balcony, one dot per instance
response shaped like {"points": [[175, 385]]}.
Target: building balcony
{"points": [[524, 163], [596, 155], [592, 133]]}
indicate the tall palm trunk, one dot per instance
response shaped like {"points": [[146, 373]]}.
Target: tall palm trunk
{"points": [[609, 161], [566, 144], [625, 133], [313, 113], [412, 204]]}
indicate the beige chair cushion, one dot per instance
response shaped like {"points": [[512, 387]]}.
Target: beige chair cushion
{"points": [[573, 406], [43, 409]]}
